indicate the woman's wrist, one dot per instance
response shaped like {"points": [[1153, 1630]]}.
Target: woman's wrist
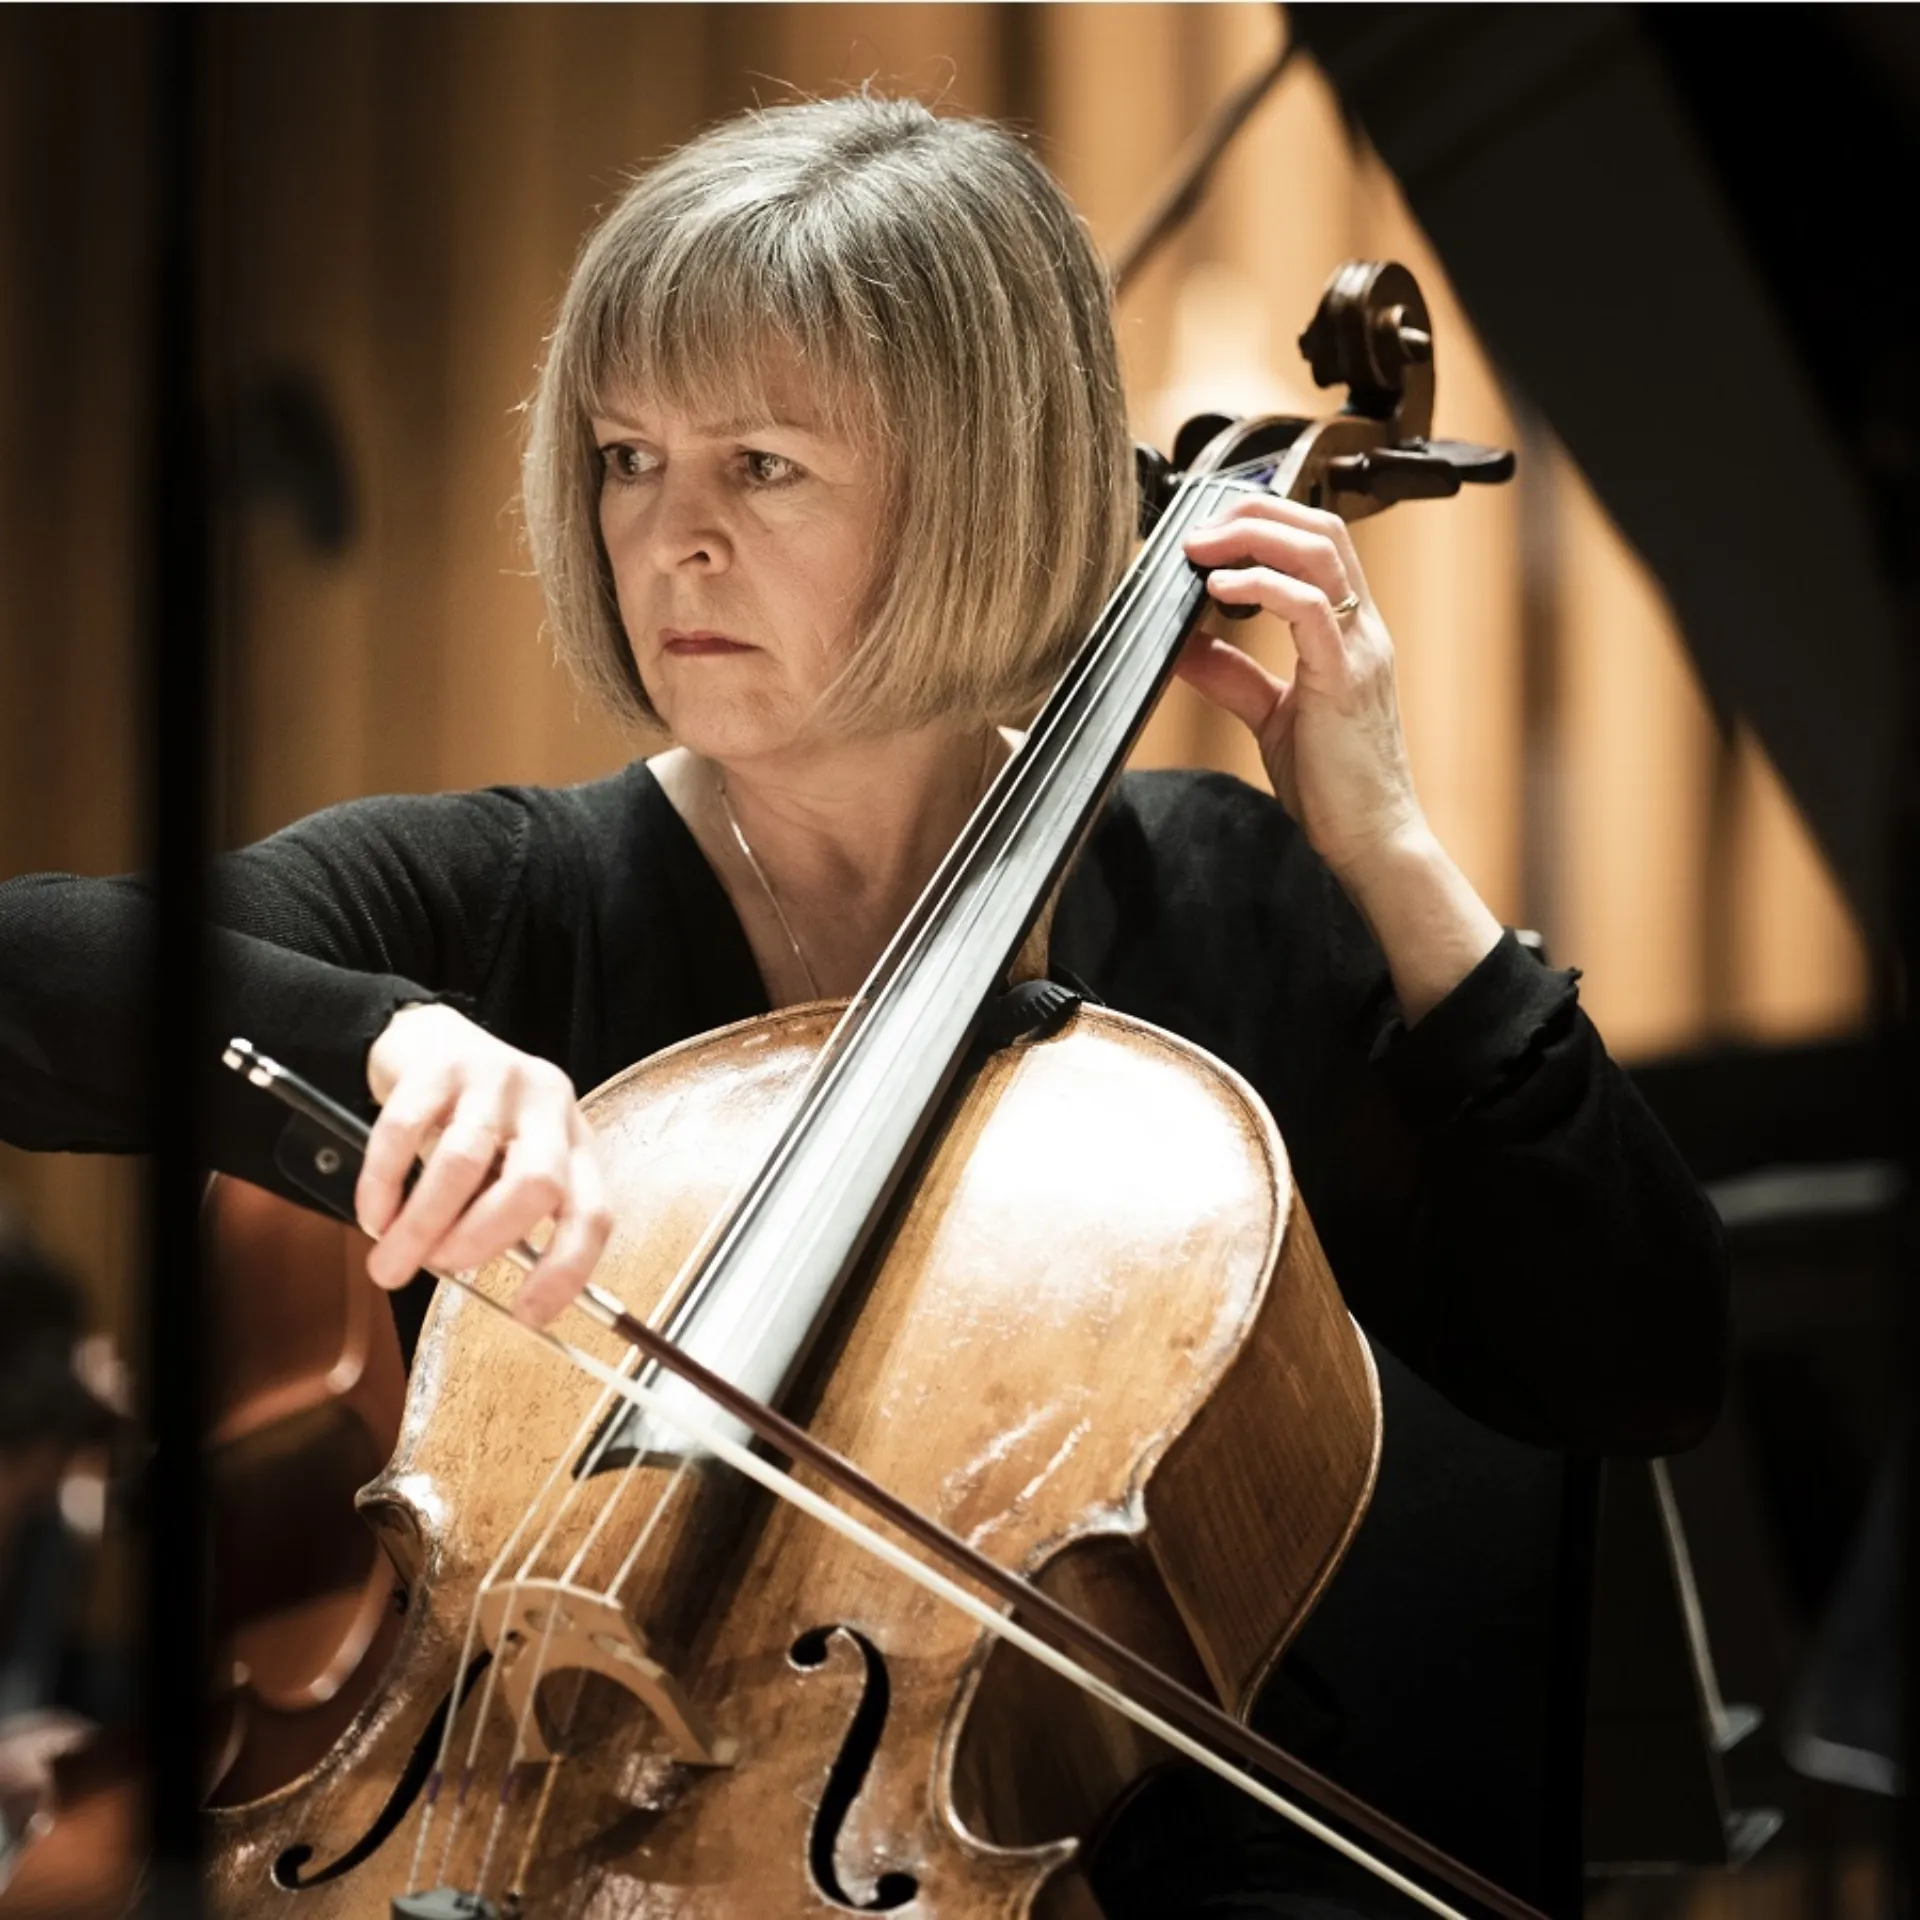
{"points": [[1433, 928], [383, 1056]]}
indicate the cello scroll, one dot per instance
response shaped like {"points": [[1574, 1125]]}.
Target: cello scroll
{"points": [[1372, 335]]}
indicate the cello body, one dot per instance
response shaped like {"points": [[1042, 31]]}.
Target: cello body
{"points": [[1141, 1389]]}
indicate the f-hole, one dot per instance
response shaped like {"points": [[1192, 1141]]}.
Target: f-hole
{"points": [[289, 1868], [849, 1773]]}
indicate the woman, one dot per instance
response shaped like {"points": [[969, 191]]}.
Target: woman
{"points": [[828, 472]]}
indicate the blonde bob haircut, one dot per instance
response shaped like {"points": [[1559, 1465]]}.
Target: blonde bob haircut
{"points": [[932, 281]]}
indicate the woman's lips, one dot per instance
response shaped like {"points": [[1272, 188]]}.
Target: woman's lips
{"points": [[673, 641]]}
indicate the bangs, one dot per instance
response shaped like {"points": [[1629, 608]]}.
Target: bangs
{"points": [[718, 314]]}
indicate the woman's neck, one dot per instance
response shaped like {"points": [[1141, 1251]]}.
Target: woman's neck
{"points": [[844, 839]]}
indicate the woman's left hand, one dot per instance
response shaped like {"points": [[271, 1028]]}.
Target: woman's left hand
{"points": [[1330, 737]]}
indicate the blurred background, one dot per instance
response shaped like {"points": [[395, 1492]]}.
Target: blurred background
{"points": [[1599, 723]]}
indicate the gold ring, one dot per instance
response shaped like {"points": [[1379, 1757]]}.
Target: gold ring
{"points": [[1341, 608]]}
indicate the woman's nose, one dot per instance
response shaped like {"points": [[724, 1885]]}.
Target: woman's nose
{"points": [[689, 528]]}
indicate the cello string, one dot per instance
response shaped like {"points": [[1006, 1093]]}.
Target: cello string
{"points": [[644, 1538], [503, 1800], [560, 1747], [598, 1445], [629, 1475], [536, 1825], [470, 1764], [1111, 657], [438, 1777], [601, 1444], [601, 1409]]}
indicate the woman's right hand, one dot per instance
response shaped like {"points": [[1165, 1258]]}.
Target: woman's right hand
{"points": [[503, 1147]]}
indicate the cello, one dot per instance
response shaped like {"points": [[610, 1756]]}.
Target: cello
{"points": [[626, 1682]]}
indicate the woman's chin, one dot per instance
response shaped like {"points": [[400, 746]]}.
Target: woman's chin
{"points": [[733, 710], [727, 733]]}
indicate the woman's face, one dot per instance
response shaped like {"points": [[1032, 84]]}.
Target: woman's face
{"points": [[742, 551]]}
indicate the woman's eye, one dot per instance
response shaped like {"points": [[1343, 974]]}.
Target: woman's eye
{"points": [[623, 462], [770, 469]]}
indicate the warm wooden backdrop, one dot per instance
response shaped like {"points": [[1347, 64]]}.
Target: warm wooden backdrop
{"points": [[394, 197]]}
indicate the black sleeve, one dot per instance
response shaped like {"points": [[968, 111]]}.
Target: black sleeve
{"points": [[318, 935], [1568, 1278], [1498, 1204]]}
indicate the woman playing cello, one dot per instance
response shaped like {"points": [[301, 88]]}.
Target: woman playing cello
{"points": [[828, 473]]}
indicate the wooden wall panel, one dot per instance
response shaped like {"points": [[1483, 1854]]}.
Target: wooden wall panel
{"points": [[1795, 964], [950, 54], [1109, 139], [73, 257], [1637, 748], [296, 219], [74, 226], [504, 267]]}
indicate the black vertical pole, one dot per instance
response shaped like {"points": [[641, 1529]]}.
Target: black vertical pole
{"points": [[175, 1694], [1905, 840]]}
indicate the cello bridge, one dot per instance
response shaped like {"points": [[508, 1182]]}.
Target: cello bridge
{"points": [[538, 1628]]}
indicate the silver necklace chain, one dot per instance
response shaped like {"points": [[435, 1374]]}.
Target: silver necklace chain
{"points": [[766, 885]]}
